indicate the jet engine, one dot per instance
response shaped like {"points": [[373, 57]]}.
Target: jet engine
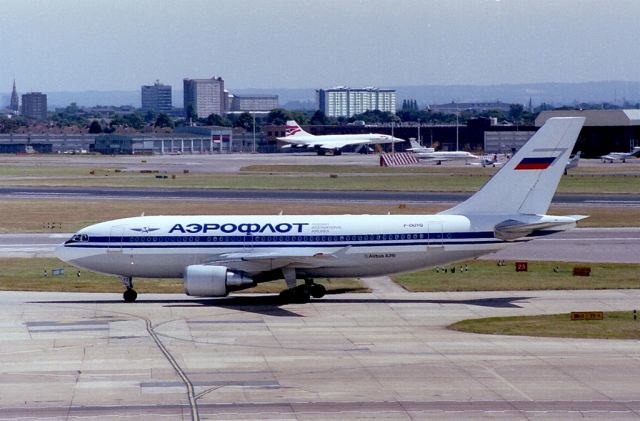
{"points": [[213, 281]]}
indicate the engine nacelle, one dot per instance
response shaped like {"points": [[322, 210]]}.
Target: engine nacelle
{"points": [[213, 281]]}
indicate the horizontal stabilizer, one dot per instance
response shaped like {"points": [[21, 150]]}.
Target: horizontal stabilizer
{"points": [[512, 229]]}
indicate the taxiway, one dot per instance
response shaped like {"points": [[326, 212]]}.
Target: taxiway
{"points": [[352, 356], [340, 196]]}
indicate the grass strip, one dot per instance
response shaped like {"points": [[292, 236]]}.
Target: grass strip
{"points": [[454, 180], [615, 325], [485, 275], [23, 274]]}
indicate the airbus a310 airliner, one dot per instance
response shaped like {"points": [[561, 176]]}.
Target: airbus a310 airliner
{"points": [[217, 254]]}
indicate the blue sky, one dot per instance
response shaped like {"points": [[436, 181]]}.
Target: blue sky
{"points": [[74, 45]]}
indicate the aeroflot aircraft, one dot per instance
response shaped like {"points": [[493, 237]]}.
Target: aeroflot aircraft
{"points": [[298, 138], [216, 254]]}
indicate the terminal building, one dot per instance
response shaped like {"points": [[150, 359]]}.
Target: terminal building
{"points": [[17, 143], [188, 140]]}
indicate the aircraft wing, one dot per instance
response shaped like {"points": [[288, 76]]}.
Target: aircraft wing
{"points": [[610, 157], [294, 145], [324, 144], [265, 261], [337, 144], [430, 158]]}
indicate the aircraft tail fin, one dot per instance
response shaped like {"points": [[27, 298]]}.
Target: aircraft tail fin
{"points": [[414, 144], [527, 182], [293, 129]]}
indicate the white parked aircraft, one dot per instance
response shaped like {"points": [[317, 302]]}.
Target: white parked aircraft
{"points": [[216, 254], [298, 138], [488, 161], [621, 156], [430, 154], [573, 162]]}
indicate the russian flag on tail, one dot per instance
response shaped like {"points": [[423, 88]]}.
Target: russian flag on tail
{"points": [[535, 163]]}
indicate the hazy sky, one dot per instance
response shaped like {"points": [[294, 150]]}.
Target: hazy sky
{"points": [[73, 45]]}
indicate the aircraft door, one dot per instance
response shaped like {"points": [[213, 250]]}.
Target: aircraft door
{"points": [[115, 239], [248, 242], [436, 235]]}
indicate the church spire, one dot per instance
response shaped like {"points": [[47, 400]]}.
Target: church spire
{"points": [[14, 104]]}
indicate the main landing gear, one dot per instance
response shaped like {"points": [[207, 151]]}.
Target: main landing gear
{"points": [[129, 294], [302, 293]]}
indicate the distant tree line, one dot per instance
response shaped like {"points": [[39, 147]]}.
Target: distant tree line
{"points": [[410, 112]]}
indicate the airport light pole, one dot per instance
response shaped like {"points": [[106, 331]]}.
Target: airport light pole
{"points": [[457, 131], [393, 145], [254, 132]]}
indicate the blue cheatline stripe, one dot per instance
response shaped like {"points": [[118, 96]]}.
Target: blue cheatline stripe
{"points": [[182, 241], [273, 245], [126, 239], [284, 241]]}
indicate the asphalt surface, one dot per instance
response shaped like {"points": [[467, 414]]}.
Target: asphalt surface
{"points": [[351, 356], [288, 195]]}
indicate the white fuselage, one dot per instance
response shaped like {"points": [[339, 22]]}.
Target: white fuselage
{"points": [[445, 155], [354, 245], [339, 140]]}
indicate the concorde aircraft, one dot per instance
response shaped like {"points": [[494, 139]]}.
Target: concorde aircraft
{"points": [[295, 137], [217, 254]]}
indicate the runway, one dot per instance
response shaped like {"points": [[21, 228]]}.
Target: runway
{"points": [[92, 193], [351, 356], [614, 245]]}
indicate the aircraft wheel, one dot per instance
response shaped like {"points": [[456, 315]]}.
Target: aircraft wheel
{"points": [[130, 295], [317, 290], [302, 296], [297, 295], [285, 296]]}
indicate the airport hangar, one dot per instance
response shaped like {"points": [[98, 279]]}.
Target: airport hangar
{"points": [[604, 131]]}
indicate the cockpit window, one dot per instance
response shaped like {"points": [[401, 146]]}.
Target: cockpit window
{"points": [[78, 238]]}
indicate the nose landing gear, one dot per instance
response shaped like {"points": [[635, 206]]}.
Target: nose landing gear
{"points": [[129, 294]]}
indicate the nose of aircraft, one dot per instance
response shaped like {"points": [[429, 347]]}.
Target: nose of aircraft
{"points": [[60, 252]]}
